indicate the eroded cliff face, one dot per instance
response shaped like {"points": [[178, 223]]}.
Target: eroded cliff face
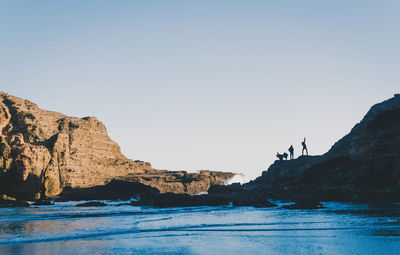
{"points": [[363, 165], [43, 152]]}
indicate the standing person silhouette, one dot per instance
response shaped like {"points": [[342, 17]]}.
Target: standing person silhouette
{"points": [[304, 147], [291, 152]]}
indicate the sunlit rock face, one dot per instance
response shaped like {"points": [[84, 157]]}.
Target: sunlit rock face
{"points": [[42, 152], [363, 165]]}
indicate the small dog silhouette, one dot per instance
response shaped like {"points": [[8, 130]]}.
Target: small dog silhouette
{"points": [[282, 156]]}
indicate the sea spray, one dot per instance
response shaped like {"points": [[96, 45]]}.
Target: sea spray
{"points": [[238, 178]]}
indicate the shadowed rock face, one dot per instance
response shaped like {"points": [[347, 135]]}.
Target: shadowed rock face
{"points": [[114, 190], [43, 152], [362, 166]]}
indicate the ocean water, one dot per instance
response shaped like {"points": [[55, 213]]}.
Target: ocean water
{"points": [[341, 228]]}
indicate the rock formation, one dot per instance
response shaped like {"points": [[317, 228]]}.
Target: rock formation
{"points": [[212, 199], [43, 152], [180, 181], [362, 166]]}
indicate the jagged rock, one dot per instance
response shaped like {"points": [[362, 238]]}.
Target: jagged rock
{"points": [[43, 152], [362, 166], [92, 203]]}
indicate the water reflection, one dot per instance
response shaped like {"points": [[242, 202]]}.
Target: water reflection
{"points": [[15, 228], [340, 229]]}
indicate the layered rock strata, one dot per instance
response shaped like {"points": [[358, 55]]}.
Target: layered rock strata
{"points": [[43, 152]]}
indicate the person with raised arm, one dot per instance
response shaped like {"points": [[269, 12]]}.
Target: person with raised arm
{"points": [[304, 147]]}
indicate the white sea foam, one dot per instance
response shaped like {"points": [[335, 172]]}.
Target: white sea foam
{"points": [[241, 178]]}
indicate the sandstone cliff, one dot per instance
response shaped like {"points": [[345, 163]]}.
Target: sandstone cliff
{"points": [[43, 152], [363, 165]]}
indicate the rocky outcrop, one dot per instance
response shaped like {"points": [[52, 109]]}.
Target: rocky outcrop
{"points": [[362, 166], [91, 204], [180, 181], [6, 201], [44, 152], [212, 199], [42, 202], [114, 190], [304, 204]]}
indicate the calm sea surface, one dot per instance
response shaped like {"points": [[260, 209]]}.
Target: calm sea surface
{"points": [[342, 228]]}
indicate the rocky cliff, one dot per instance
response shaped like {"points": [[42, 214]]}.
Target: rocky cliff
{"points": [[43, 152], [362, 166]]}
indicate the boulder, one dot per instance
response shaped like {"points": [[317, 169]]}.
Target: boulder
{"points": [[91, 203], [43, 202], [304, 204]]}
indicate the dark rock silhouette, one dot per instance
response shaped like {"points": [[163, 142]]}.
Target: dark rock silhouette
{"points": [[123, 190], [43, 202], [305, 204], [218, 195], [9, 202], [362, 166], [91, 203]]}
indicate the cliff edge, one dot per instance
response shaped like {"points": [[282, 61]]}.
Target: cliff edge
{"points": [[362, 166], [43, 152]]}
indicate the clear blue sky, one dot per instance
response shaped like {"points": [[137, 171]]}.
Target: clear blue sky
{"points": [[218, 85]]}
